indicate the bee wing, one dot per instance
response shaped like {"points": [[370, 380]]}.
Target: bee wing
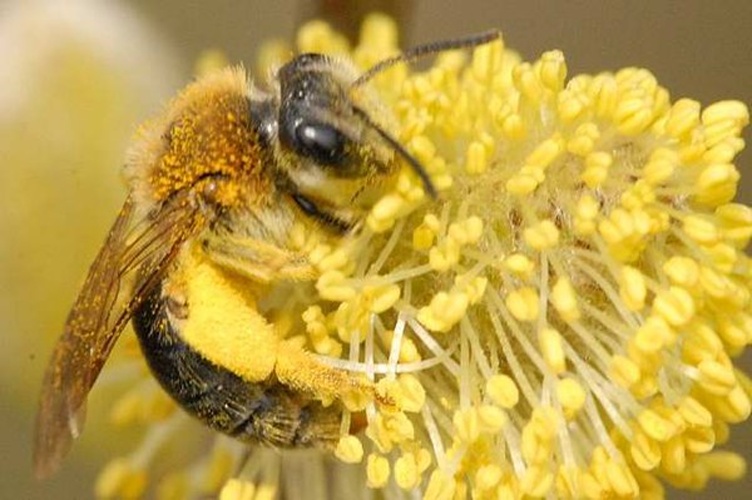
{"points": [[139, 252]]}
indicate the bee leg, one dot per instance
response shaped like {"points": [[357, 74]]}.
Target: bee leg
{"points": [[301, 371], [261, 261], [295, 420]]}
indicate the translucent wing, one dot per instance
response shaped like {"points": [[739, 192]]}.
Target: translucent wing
{"points": [[133, 259]]}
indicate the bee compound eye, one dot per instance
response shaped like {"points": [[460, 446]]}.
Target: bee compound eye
{"points": [[321, 142]]}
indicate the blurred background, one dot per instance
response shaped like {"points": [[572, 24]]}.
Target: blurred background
{"points": [[77, 76]]}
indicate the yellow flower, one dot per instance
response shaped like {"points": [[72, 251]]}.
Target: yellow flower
{"points": [[563, 320]]}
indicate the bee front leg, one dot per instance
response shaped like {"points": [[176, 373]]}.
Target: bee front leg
{"points": [[261, 261]]}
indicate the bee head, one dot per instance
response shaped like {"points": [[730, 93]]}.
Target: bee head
{"points": [[331, 152]]}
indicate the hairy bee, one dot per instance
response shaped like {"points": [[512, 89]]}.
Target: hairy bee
{"points": [[216, 184]]}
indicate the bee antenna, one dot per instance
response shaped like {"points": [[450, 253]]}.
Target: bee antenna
{"points": [[428, 49], [400, 149]]}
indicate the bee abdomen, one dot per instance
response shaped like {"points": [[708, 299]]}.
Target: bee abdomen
{"points": [[266, 412]]}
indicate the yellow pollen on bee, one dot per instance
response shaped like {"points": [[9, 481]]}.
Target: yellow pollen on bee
{"points": [[586, 211]]}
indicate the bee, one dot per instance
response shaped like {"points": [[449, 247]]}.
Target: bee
{"points": [[216, 185]]}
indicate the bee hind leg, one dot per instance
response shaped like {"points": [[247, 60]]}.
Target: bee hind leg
{"points": [[300, 370]]}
